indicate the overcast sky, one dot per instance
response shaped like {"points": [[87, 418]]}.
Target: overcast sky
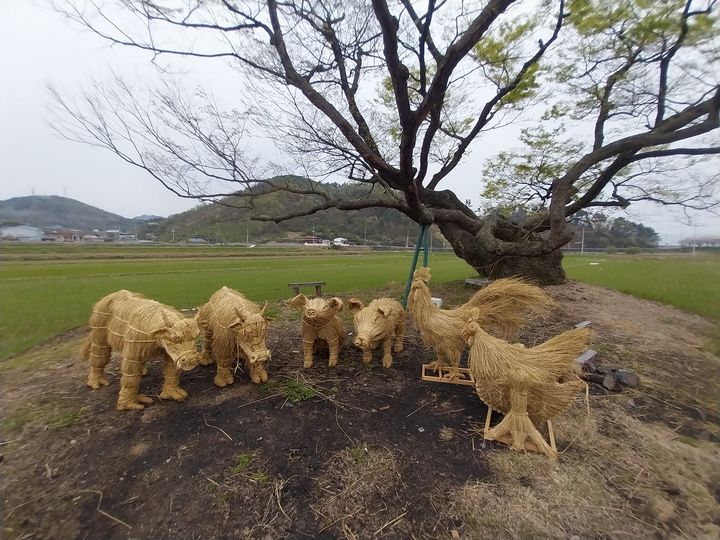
{"points": [[38, 46]]}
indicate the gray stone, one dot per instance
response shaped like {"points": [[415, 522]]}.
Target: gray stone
{"points": [[627, 378], [584, 324], [586, 358], [610, 382]]}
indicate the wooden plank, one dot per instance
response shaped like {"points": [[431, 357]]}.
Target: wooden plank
{"points": [[465, 378], [477, 282]]}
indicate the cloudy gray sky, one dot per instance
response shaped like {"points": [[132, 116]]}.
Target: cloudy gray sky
{"points": [[37, 47]]}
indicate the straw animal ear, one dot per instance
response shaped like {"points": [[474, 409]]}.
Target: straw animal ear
{"points": [[335, 303], [298, 302], [166, 321], [355, 305], [262, 311], [474, 315], [384, 311]]}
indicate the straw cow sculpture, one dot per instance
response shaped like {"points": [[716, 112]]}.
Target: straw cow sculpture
{"points": [[138, 328], [382, 321], [500, 306], [526, 384], [320, 325], [234, 328]]}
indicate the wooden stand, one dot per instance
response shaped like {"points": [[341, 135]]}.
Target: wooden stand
{"points": [[442, 375], [529, 445]]}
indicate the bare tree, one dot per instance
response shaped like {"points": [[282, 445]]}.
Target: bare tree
{"points": [[393, 95]]}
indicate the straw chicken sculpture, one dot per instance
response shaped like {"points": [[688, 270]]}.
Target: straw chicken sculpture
{"points": [[535, 383], [320, 325], [501, 306], [382, 321], [138, 327], [234, 328]]}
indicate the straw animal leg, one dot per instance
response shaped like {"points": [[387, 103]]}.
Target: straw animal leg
{"points": [[171, 386], [399, 336], [98, 357], [453, 357], [257, 373], [438, 363], [207, 358], [224, 375], [128, 398], [387, 353], [334, 346], [517, 430], [308, 351], [367, 355]]}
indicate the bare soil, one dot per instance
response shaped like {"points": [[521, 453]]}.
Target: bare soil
{"points": [[365, 452]]}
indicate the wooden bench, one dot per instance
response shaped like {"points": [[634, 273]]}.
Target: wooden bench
{"points": [[477, 282], [317, 284]]}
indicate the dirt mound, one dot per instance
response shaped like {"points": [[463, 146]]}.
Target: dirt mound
{"points": [[360, 452]]}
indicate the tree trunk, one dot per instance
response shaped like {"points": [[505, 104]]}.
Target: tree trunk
{"points": [[543, 269]]}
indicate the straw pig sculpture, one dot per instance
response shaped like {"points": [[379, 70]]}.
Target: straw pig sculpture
{"points": [[234, 327], [500, 305], [535, 382], [138, 327], [320, 323], [383, 320]]}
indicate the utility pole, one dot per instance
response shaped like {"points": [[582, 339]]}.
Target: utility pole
{"points": [[694, 237], [582, 240], [173, 235], [365, 231], [247, 234], [407, 238]]}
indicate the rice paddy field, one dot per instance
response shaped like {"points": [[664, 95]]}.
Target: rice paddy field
{"points": [[46, 290]]}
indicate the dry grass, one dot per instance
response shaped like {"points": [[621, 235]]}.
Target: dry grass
{"points": [[616, 477], [359, 487]]}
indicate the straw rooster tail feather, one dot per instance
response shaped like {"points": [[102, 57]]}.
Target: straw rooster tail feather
{"points": [[567, 346], [504, 301]]}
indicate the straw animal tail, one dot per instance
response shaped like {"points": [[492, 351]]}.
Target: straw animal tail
{"points": [[569, 344]]}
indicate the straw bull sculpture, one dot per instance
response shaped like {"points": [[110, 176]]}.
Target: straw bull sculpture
{"points": [[381, 321], [500, 306], [535, 383], [138, 328], [234, 327]]}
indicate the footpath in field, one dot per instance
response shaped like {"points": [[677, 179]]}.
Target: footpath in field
{"points": [[357, 452]]}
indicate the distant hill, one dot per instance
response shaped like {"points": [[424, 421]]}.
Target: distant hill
{"points": [[50, 210], [218, 223]]}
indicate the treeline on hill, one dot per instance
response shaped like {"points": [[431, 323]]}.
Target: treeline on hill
{"points": [[216, 223], [603, 232]]}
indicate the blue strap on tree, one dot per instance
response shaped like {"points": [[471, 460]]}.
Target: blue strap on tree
{"points": [[422, 242]]}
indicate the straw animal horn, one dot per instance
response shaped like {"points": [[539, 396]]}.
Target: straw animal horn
{"points": [[262, 311], [240, 315], [166, 321]]}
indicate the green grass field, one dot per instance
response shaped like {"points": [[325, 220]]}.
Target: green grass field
{"points": [[45, 290], [40, 299], [690, 283]]}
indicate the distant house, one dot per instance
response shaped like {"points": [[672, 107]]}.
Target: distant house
{"points": [[61, 234], [197, 240], [340, 241], [21, 233], [91, 238]]}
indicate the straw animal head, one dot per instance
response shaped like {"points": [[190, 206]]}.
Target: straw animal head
{"points": [[178, 339], [422, 275], [250, 328], [371, 322], [472, 326], [316, 311]]}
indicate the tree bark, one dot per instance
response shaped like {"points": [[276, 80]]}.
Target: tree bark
{"points": [[543, 269]]}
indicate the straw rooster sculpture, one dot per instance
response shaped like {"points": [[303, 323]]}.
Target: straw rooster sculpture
{"points": [[501, 306], [523, 383]]}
